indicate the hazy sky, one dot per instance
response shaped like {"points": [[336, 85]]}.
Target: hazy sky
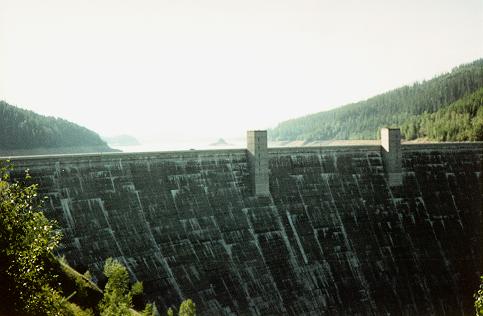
{"points": [[195, 68]]}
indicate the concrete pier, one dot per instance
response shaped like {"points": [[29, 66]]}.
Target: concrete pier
{"points": [[258, 162], [392, 155]]}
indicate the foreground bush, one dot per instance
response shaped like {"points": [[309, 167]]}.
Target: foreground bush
{"points": [[27, 239]]}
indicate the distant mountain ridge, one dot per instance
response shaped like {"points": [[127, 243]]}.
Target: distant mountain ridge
{"points": [[24, 132], [399, 107]]}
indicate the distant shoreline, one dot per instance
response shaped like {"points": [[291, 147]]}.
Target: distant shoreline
{"points": [[57, 151]]}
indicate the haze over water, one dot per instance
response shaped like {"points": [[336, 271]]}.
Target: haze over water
{"points": [[182, 144]]}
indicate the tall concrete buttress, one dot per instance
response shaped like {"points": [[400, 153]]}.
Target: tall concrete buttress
{"points": [[392, 155], [258, 162]]}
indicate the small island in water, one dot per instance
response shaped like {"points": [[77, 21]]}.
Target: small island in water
{"points": [[220, 142]]}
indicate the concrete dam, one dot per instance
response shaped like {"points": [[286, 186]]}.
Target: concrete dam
{"points": [[385, 229]]}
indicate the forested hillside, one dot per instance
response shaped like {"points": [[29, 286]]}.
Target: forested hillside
{"points": [[26, 131], [460, 121], [399, 107]]}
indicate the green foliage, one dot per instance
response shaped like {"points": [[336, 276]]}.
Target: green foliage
{"points": [[27, 239], [170, 312], [72, 309], [362, 120], [479, 299], [460, 121], [187, 308], [150, 310], [22, 129], [31, 278], [117, 298], [87, 294], [87, 275], [137, 289]]}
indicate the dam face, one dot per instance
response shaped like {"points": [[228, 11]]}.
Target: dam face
{"points": [[335, 234]]}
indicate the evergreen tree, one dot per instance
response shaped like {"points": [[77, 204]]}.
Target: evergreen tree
{"points": [[187, 308], [150, 310], [117, 298]]}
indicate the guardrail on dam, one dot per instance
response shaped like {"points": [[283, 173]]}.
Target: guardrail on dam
{"points": [[385, 229]]}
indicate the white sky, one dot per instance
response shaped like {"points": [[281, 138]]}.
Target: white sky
{"points": [[215, 68]]}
